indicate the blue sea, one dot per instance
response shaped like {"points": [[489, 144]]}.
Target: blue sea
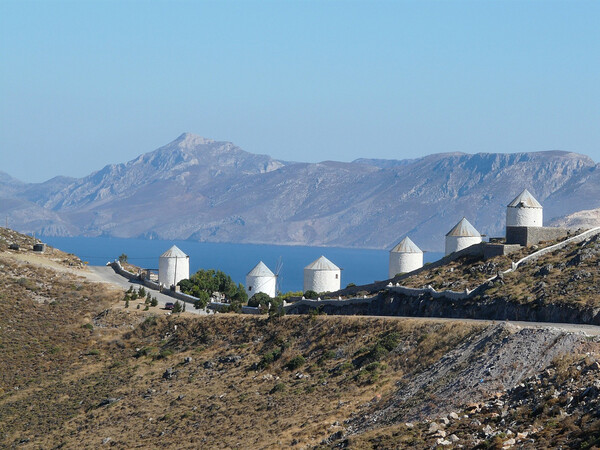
{"points": [[359, 266]]}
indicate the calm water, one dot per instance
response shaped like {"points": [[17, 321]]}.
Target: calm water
{"points": [[359, 266]]}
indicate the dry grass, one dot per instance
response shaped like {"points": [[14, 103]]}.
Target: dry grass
{"points": [[65, 369]]}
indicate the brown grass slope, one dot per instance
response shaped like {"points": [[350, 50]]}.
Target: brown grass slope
{"points": [[78, 370]]}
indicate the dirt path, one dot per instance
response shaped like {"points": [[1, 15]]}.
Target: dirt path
{"points": [[95, 274]]}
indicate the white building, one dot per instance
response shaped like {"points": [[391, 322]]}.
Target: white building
{"points": [[463, 235], [173, 266], [524, 211], [261, 279], [405, 257], [322, 276]]}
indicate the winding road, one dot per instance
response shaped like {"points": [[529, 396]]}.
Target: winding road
{"points": [[106, 274]]}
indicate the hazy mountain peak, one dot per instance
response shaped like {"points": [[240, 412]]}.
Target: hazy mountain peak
{"points": [[190, 140]]}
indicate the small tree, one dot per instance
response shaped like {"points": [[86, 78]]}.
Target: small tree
{"points": [[177, 307], [260, 298], [123, 258], [154, 302], [148, 297], [311, 295], [141, 292], [127, 303], [202, 301]]}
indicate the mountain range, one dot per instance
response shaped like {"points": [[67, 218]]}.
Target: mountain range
{"points": [[205, 190]]}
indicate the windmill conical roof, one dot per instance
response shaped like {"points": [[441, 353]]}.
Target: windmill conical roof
{"points": [[406, 245], [261, 270], [322, 264], [463, 229], [173, 252], [524, 200]]}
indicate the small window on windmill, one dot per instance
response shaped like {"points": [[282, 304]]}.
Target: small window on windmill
{"points": [[336, 276], [249, 288]]}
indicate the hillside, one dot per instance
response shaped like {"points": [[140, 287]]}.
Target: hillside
{"points": [[199, 189], [580, 219], [79, 370]]}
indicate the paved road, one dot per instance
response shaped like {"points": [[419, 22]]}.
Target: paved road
{"points": [[106, 274], [588, 330]]}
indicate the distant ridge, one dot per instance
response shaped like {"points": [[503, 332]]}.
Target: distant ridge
{"points": [[206, 190]]}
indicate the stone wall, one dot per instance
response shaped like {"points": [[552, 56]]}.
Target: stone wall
{"points": [[491, 250], [533, 235], [396, 304], [116, 265]]}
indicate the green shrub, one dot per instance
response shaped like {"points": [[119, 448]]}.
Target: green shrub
{"points": [[87, 326], [329, 354], [279, 387], [146, 351], [269, 358], [344, 367], [390, 341], [164, 353], [312, 295], [260, 298], [296, 362], [149, 322], [373, 366], [154, 302]]}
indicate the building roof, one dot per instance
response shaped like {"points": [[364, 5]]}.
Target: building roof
{"points": [[463, 229], [260, 270], [406, 245], [524, 200], [173, 252], [322, 264]]}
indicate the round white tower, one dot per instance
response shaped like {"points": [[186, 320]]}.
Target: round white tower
{"points": [[463, 235], [173, 266], [322, 276], [261, 279], [524, 211], [405, 257]]}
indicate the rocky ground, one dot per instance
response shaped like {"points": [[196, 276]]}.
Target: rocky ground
{"points": [[567, 276]]}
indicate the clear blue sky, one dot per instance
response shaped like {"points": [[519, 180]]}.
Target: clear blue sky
{"points": [[88, 83]]}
